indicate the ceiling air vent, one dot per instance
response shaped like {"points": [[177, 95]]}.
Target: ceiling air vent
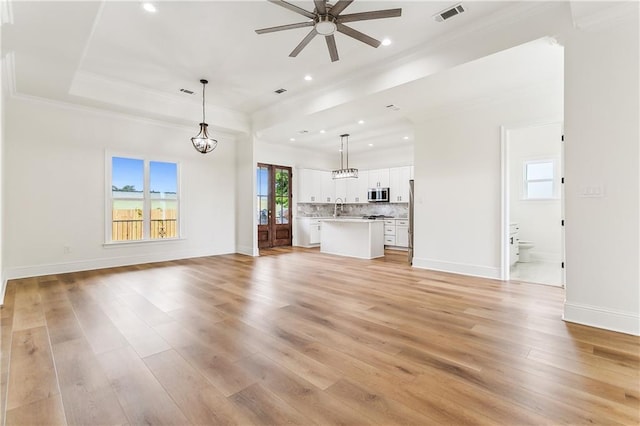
{"points": [[449, 13], [279, 91], [187, 91]]}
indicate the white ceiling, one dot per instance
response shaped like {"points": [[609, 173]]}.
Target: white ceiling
{"points": [[117, 56]]}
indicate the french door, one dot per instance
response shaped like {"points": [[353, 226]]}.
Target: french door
{"points": [[274, 205]]}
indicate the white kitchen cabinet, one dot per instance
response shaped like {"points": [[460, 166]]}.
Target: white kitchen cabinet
{"points": [[328, 187], [379, 178], [309, 186], [342, 188], [389, 232], [308, 231], [357, 188], [402, 232], [399, 184]]}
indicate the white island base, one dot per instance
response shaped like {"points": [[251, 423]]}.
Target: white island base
{"points": [[361, 238]]}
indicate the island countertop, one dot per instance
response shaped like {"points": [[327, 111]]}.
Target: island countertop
{"points": [[347, 219]]}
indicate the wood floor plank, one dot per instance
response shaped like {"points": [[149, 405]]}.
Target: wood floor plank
{"points": [[296, 336], [32, 375], [86, 391], [28, 306], [47, 411], [318, 406], [142, 398], [198, 399]]}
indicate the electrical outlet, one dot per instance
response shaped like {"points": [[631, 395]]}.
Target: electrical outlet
{"points": [[66, 249]]}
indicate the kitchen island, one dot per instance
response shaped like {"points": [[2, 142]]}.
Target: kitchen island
{"points": [[361, 238]]}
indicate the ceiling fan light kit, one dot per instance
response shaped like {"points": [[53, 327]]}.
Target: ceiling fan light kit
{"points": [[344, 172], [202, 142], [326, 19]]}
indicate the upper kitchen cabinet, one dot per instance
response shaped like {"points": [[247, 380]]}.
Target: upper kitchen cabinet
{"points": [[341, 188], [379, 178], [399, 184], [328, 186], [357, 188], [310, 186]]}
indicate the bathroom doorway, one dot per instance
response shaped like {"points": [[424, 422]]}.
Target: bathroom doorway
{"points": [[533, 203]]}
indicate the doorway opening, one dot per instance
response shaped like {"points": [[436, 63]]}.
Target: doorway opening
{"points": [[274, 206], [533, 204]]}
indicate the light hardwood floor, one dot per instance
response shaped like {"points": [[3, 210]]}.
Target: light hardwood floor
{"points": [[299, 337]]}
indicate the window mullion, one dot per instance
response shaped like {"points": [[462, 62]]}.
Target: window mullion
{"points": [[146, 231]]}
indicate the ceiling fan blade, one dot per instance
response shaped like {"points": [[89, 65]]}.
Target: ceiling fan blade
{"points": [[294, 8], [375, 14], [331, 45], [321, 6], [339, 7], [303, 43], [285, 27], [358, 35]]}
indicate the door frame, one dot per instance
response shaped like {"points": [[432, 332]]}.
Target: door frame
{"points": [[272, 226], [505, 184]]}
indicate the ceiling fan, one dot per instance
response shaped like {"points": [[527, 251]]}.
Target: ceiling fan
{"points": [[326, 19]]}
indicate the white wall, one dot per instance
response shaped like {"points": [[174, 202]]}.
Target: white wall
{"points": [[49, 147], [602, 151], [401, 155], [458, 179], [294, 156], [246, 239], [3, 95], [539, 220]]}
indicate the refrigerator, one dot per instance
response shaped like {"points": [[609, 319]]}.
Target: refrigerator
{"points": [[411, 204]]}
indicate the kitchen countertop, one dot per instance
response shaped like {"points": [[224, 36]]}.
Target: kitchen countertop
{"points": [[349, 219]]}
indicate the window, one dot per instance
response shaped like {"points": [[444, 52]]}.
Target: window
{"points": [[144, 200], [539, 180]]}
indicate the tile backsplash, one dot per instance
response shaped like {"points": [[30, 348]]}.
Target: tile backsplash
{"points": [[400, 210]]}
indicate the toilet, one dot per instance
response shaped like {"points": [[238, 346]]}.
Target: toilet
{"points": [[524, 248]]}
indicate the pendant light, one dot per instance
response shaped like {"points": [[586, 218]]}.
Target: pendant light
{"points": [[344, 173], [202, 142]]}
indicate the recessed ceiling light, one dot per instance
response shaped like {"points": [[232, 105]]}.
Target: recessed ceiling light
{"points": [[322, 131], [370, 144], [149, 7], [361, 122], [308, 77], [292, 139], [406, 138], [386, 42]]}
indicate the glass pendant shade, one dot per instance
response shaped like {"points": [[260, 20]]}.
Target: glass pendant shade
{"points": [[344, 172], [202, 142]]}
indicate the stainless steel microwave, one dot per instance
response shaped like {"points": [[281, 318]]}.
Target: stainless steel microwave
{"points": [[375, 195]]}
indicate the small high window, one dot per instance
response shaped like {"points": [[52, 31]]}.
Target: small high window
{"points": [[143, 200], [540, 181]]}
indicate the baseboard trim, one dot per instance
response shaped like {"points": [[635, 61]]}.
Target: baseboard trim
{"points": [[593, 316], [91, 264], [457, 268]]}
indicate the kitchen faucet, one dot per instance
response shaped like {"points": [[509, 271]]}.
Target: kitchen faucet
{"points": [[335, 206]]}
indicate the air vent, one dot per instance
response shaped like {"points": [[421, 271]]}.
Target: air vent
{"points": [[187, 91], [279, 91], [393, 107], [303, 132], [449, 13]]}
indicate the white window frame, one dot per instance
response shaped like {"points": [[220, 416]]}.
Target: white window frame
{"points": [[554, 180], [146, 210]]}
